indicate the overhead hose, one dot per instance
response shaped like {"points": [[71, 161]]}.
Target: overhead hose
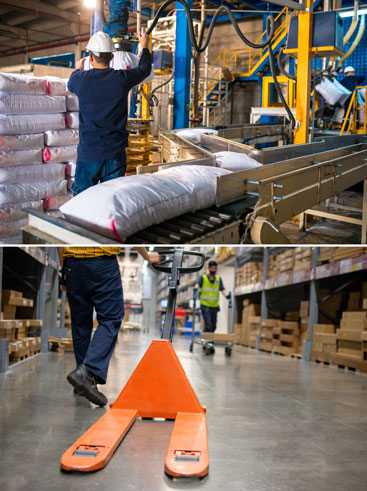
{"points": [[201, 48], [119, 17], [279, 90], [282, 70]]}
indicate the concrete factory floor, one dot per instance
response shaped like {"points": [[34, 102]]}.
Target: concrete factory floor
{"points": [[274, 423]]}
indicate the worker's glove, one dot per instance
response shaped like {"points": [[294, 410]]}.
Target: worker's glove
{"points": [[62, 275], [228, 296]]}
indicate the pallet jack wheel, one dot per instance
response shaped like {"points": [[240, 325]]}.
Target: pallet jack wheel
{"points": [[209, 350], [191, 346], [228, 351]]}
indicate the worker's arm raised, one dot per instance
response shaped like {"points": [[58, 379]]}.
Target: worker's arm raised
{"points": [[152, 257], [134, 76]]}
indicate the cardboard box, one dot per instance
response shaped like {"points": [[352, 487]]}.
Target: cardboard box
{"points": [[9, 312], [352, 345], [329, 348], [348, 335], [318, 347], [7, 296], [354, 324], [324, 338], [212, 336], [358, 315], [324, 329], [270, 322]]}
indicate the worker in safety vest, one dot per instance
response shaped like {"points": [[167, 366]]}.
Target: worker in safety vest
{"points": [[210, 285]]}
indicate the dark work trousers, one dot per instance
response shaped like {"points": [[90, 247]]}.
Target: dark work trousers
{"points": [[94, 283], [210, 317]]}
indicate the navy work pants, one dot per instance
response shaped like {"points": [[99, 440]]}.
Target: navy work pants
{"points": [[210, 318], [94, 283]]}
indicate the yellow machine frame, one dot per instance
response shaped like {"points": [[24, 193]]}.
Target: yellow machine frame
{"points": [[267, 83]]}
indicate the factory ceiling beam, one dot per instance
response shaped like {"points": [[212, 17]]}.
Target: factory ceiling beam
{"points": [[27, 34], [288, 3], [42, 9]]}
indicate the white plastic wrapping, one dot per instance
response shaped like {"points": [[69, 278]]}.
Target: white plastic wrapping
{"points": [[332, 92], [21, 84], [123, 206], [122, 60], [21, 142], [235, 161], [72, 102], [56, 138], [31, 104], [32, 173], [71, 169], [60, 154], [12, 239], [17, 193], [338, 115], [17, 124], [20, 157], [56, 86], [193, 135], [11, 229], [9, 213], [54, 202], [72, 120]]}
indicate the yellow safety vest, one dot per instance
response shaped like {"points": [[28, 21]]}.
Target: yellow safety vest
{"points": [[209, 294]]}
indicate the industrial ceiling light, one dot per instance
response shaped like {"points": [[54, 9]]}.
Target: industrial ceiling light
{"points": [[349, 13], [91, 4]]}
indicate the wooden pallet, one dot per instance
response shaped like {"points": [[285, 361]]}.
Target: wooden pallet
{"points": [[60, 344], [348, 364]]}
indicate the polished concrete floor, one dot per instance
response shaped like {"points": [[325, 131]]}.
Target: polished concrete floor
{"points": [[274, 423]]}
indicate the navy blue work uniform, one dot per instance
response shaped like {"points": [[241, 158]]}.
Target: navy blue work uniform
{"points": [[94, 283], [103, 137], [210, 313]]}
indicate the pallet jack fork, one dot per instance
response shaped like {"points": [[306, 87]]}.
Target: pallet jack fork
{"points": [[158, 388]]}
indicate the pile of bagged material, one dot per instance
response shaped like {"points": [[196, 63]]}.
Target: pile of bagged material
{"points": [[333, 92], [35, 144]]}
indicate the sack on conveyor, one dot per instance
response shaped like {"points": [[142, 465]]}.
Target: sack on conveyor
{"points": [[235, 161], [193, 135], [32, 173], [123, 206], [56, 138], [17, 193], [72, 102], [9, 213], [17, 124], [31, 104], [122, 60], [9, 229], [54, 202], [332, 92], [21, 84], [20, 157], [60, 154], [72, 120], [21, 142]]}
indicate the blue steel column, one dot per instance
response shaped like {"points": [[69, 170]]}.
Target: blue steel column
{"points": [[314, 310], [182, 70], [4, 343]]}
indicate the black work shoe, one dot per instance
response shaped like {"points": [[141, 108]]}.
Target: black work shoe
{"points": [[82, 380], [78, 392]]}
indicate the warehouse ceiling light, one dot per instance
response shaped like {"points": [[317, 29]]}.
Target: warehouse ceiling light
{"points": [[91, 4], [349, 13]]}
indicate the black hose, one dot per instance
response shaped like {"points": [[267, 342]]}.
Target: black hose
{"points": [[281, 66], [222, 8], [164, 83], [279, 91]]}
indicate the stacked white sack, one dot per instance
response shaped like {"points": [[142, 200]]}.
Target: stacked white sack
{"points": [[70, 175], [123, 206], [29, 106]]}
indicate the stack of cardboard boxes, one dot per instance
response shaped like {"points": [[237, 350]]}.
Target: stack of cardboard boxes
{"points": [[249, 273], [249, 329], [268, 328], [302, 258], [16, 326], [323, 340]]}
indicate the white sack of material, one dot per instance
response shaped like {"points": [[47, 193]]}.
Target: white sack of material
{"points": [[72, 119], [31, 104], [60, 154], [32, 173], [56, 86], [9, 213], [330, 91], [362, 93], [122, 60], [21, 142], [17, 193], [72, 102], [21, 84], [70, 181], [338, 115], [57, 138], [71, 169], [54, 202], [20, 157], [235, 161], [10, 229], [193, 135], [17, 124], [123, 206], [346, 92], [12, 239]]}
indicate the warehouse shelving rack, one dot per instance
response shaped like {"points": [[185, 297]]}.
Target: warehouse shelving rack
{"points": [[310, 279]]}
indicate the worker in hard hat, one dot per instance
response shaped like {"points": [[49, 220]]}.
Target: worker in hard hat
{"points": [[350, 82], [103, 103], [210, 286], [92, 279]]}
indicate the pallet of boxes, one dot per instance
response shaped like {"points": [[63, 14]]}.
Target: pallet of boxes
{"points": [[16, 325], [247, 332], [60, 344]]}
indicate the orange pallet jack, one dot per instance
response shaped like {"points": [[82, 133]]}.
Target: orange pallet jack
{"points": [[158, 388]]}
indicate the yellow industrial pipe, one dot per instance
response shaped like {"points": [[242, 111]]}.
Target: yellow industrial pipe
{"points": [[355, 42], [353, 24]]}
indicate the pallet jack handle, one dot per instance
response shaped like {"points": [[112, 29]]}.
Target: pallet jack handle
{"points": [[173, 266]]}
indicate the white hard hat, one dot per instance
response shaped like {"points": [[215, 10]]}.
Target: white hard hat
{"points": [[100, 42], [349, 69]]}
